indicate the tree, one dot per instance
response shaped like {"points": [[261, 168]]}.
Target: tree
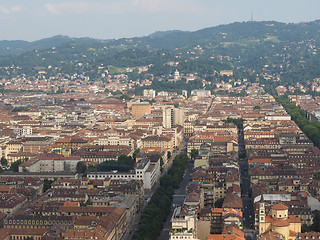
{"points": [[161, 162], [123, 164], [81, 167], [4, 161], [169, 154], [316, 175], [306, 228], [125, 97], [135, 153], [256, 107], [82, 99], [125, 160], [237, 121], [218, 203], [316, 222], [194, 153], [158, 209], [15, 166], [47, 184]]}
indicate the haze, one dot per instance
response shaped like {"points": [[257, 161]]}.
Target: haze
{"points": [[35, 19]]}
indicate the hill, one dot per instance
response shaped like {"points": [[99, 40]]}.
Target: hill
{"points": [[17, 47], [289, 50]]}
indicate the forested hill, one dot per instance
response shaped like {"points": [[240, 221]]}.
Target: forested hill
{"points": [[17, 47], [231, 33], [290, 50]]}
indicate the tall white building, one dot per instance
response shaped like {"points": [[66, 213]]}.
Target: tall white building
{"points": [[149, 93], [172, 117], [22, 131], [201, 93], [176, 75]]}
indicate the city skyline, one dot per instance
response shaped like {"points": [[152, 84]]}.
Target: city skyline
{"points": [[133, 18]]}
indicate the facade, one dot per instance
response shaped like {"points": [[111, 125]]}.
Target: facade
{"points": [[50, 164], [173, 117], [140, 109], [149, 93], [158, 142], [201, 93], [22, 131], [183, 224]]}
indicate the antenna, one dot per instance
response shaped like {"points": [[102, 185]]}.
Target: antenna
{"points": [[251, 15]]}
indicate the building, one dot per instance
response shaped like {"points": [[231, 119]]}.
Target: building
{"points": [[149, 93], [226, 73], [140, 109], [278, 221], [173, 117], [176, 76], [22, 131], [183, 224], [148, 172], [158, 142], [50, 164], [201, 93]]}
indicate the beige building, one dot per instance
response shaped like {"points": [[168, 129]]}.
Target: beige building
{"points": [[279, 221], [140, 109], [158, 142]]}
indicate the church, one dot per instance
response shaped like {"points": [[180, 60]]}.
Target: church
{"points": [[278, 221]]}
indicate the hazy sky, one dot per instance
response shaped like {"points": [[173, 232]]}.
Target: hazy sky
{"points": [[36, 19]]}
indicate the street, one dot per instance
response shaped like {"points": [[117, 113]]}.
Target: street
{"points": [[178, 199], [248, 213]]}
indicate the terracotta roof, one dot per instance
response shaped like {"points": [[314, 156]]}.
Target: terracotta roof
{"points": [[294, 219], [308, 235], [232, 201], [270, 235], [292, 233], [70, 204], [280, 223], [217, 210], [279, 206]]}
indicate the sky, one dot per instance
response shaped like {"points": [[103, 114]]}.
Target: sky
{"points": [[112, 19]]}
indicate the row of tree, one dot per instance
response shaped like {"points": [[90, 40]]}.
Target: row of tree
{"points": [[311, 129], [122, 164], [156, 213]]}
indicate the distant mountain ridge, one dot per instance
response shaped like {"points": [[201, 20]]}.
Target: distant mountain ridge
{"points": [[177, 39], [16, 47], [292, 50]]}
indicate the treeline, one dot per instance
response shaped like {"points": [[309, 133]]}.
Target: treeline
{"points": [[156, 213], [122, 164], [315, 226], [311, 129], [171, 86], [237, 121]]}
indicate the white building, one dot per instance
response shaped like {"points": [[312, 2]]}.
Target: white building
{"points": [[183, 224], [176, 75], [146, 171], [278, 117], [173, 117], [114, 140], [50, 164], [22, 131], [201, 93], [149, 93]]}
